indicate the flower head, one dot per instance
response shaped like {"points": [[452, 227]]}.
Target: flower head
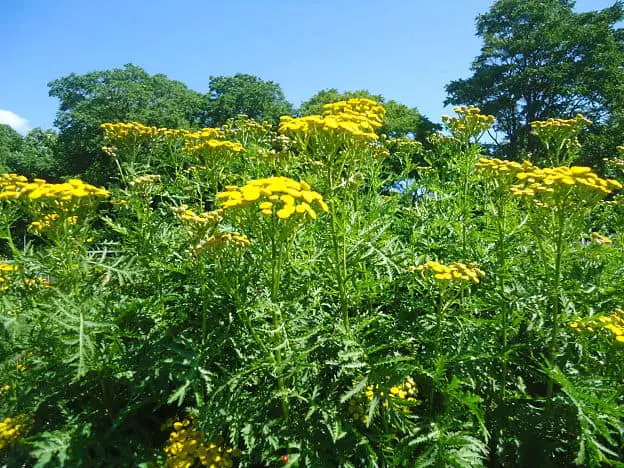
{"points": [[275, 196], [452, 273], [563, 185]]}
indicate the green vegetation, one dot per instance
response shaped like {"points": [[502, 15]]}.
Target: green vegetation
{"points": [[344, 284]]}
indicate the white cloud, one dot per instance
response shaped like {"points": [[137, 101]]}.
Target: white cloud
{"points": [[14, 121]]}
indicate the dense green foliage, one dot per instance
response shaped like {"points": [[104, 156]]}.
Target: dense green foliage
{"points": [[229, 96], [118, 95], [346, 284], [312, 340], [540, 59], [32, 155]]}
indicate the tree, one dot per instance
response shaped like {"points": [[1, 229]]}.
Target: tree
{"points": [[10, 141], [230, 96], [540, 59], [400, 120], [117, 95], [36, 156]]}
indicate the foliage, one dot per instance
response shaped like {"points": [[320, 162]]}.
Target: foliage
{"points": [[229, 96], [36, 155], [255, 296], [118, 95], [540, 59]]}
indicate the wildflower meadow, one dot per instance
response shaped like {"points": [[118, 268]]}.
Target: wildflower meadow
{"points": [[255, 295]]}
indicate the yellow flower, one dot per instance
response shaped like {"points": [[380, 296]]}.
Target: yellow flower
{"points": [[576, 185], [600, 239], [186, 447], [352, 120], [613, 323], [11, 430], [447, 273], [469, 123], [287, 196]]}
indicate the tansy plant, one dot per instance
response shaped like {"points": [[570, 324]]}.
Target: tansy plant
{"points": [[208, 243], [559, 137], [338, 141], [339, 146], [54, 207], [558, 199], [187, 447], [363, 405], [207, 146], [273, 209], [613, 323], [12, 430], [466, 129], [449, 282], [498, 176]]}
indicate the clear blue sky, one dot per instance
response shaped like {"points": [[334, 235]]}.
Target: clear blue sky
{"points": [[403, 49]]}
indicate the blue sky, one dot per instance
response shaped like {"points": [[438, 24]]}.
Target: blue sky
{"points": [[405, 50]]}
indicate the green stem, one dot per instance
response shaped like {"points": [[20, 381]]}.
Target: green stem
{"points": [[467, 163], [438, 338], [204, 323], [555, 301], [340, 259], [9, 238], [276, 254], [500, 224]]}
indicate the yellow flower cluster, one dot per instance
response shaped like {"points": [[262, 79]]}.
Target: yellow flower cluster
{"points": [[352, 119], [201, 228], [145, 180], [136, 130], [453, 272], [208, 141], [6, 269], [13, 186], [559, 129], [186, 447], [500, 168], [569, 184], [204, 140], [406, 391], [614, 323], [218, 241], [48, 221], [599, 239], [368, 108], [11, 430], [205, 134], [4, 388], [37, 282], [213, 146], [470, 122], [197, 221], [281, 196]]}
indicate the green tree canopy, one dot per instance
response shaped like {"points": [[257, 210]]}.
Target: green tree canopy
{"points": [[118, 95], [258, 99], [400, 120], [10, 140], [540, 59], [36, 155]]}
